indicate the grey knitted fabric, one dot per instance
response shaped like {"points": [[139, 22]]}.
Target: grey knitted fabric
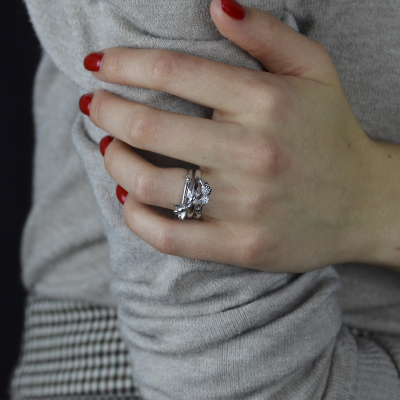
{"points": [[200, 330]]}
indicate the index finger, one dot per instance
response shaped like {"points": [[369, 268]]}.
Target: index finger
{"points": [[223, 87]]}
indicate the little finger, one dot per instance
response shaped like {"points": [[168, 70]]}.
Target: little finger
{"points": [[199, 240]]}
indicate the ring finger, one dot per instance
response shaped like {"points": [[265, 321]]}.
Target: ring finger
{"points": [[152, 185]]}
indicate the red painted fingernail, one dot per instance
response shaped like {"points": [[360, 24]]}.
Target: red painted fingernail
{"points": [[104, 144], [84, 103], [93, 61], [121, 194], [233, 9]]}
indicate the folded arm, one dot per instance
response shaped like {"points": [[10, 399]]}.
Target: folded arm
{"points": [[198, 329]]}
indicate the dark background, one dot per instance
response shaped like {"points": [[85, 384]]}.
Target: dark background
{"points": [[19, 58]]}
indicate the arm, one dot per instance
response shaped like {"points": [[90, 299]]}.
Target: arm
{"points": [[193, 328]]}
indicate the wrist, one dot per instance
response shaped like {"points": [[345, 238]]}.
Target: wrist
{"points": [[378, 233]]}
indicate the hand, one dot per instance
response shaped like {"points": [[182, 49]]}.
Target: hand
{"points": [[287, 160]]}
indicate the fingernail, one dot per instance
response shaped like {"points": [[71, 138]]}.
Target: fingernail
{"points": [[93, 61], [233, 9], [121, 194], [104, 144], [84, 103]]}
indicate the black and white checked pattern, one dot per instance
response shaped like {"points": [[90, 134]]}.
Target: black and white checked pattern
{"points": [[71, 350]]}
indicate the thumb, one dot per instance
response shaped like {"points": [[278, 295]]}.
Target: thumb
{"points": [[281, 49]]}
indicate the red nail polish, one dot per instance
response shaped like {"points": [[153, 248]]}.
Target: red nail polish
{"points": [[104, 144], [121, 194], [233, 9], [93, 61], [84, 103]]}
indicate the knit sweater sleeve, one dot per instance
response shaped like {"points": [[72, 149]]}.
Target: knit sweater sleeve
{"points": [[195, 329]]}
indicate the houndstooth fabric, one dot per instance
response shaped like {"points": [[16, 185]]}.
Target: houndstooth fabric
{"points": [[71, 350]]}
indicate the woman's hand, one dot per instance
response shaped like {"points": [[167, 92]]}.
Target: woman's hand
{"points": [[288, 163]]}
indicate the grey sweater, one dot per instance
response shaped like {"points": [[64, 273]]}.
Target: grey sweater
{"points": [[200, 330]]}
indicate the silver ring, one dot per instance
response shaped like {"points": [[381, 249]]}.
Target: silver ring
{"points": [[200, 193], [194, 197], [181, 208]]}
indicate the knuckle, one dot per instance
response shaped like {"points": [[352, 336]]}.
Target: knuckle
{"points": [[166, 65], [263, 156], [144, 187], [251, 249], [268, 98], [269, 101], [142, 128]]}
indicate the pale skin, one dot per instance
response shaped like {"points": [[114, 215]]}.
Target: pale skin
{"points": [[297, 184]]}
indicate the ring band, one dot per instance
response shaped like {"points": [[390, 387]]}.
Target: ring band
{"points": [[194, 197], [197, 192], [200, 194], [181, 208]]}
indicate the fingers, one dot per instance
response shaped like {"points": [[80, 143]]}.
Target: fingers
{"points": [[200, 240], [209, 83], [199, 141], [280, 48], [148, 184]]}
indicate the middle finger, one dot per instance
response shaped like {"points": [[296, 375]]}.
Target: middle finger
{"points": [[195, 140]]}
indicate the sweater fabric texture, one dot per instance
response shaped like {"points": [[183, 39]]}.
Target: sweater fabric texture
{"points": [[194, 329]]}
